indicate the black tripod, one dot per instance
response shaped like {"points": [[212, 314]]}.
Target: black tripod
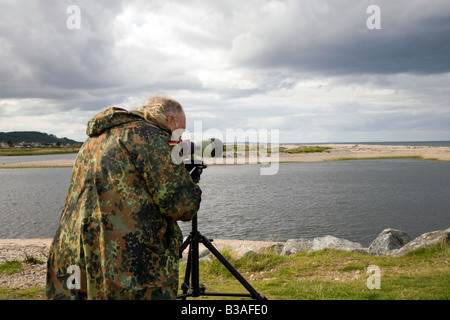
{"points": [[194, 289]]}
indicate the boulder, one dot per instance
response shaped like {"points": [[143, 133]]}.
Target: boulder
{"points": [[388, 240], [239, 252], [294, 246], [425, 240], [330, 242], [276, 248]]}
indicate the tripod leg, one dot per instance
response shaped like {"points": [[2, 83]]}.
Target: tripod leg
{"points": [[191, 284], [254, 294], [185, 244], [185, 286], [195, 272]]}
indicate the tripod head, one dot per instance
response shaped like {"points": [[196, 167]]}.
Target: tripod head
{"points": [[195, 170]]}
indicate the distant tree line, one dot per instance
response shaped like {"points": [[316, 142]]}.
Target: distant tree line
{"points": [[33, 138]]}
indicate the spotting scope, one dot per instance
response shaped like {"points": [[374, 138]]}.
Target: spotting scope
{"points": [[194, 153]]}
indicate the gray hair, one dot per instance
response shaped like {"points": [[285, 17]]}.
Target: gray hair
{"points": [[156, 109]]}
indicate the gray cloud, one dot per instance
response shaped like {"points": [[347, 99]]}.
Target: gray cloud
{"points": [[331, 38], [310, 68], [47, 60]]}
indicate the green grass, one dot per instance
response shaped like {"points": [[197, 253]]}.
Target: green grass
{"points": [[335, 275], [14, 266], [323, 275], [33, 260], [37, 151], [11, 267], [306, 149], [36, 293]]}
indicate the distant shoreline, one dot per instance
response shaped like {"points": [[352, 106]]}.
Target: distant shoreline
{"points": [[366, 151], [37, 151], [336, 152]]}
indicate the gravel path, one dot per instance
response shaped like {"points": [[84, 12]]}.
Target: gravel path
{"points": [[32, 275]]}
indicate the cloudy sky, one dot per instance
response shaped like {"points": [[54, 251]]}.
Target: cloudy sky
{"points": [[316, 70]]}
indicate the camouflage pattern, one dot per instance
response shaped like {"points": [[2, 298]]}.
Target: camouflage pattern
{"points": [[119, 223]]}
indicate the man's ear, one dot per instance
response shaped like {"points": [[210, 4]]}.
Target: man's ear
{"points": [[169, 118]]}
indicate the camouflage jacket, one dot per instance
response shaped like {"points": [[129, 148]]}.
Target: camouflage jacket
{"points": [[119, 225]]}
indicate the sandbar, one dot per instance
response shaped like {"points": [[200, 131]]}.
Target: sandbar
{"points": [[337, 152]]}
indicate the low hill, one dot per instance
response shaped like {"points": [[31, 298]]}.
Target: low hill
{"points": [[33, 137]]}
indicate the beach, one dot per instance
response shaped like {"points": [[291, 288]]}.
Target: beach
{"points": [[361, 151], [335, 153]]}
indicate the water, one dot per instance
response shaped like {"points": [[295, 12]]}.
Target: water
{"points": [[31, 201], [354, 200]]}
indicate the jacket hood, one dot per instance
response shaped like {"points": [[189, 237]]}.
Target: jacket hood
{"points": [[109, 118]]}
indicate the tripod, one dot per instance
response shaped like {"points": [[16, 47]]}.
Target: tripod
{"points": [[194, 289]]}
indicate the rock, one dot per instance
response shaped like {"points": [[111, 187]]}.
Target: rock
{"points": [[293, 246], [204, 255], [424, 241], [236, 248], [388, 240], [276, 248], [330, 242], [238, 253]]}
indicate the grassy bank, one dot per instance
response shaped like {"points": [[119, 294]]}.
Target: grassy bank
{"points": [[336, 275], [306, 149], [323, 275], [380, 158], [37, 151]]}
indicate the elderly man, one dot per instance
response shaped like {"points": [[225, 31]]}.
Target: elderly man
{"points": [[118, 236]]}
